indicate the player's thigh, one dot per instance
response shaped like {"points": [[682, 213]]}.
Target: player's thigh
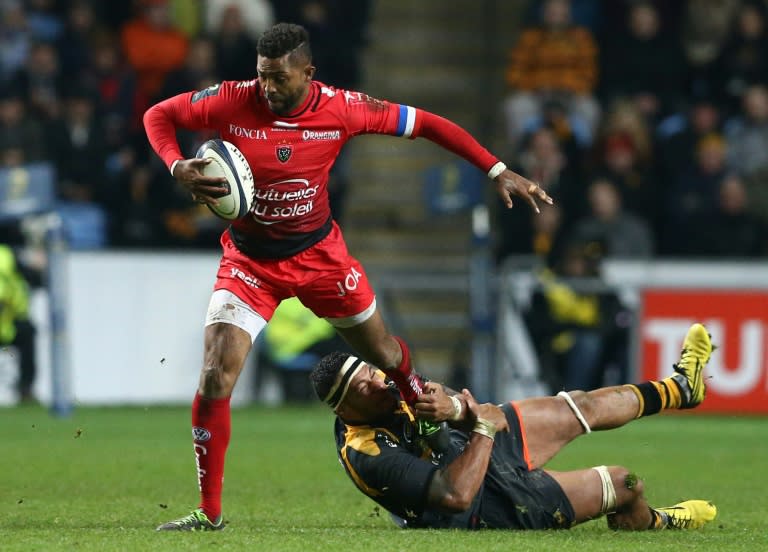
{"points": [[584, 491], [340, 292], [231, 327], [549, 424]]}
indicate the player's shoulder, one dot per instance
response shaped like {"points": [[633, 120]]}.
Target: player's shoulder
{"points": [[343, 99], [232, 91]]}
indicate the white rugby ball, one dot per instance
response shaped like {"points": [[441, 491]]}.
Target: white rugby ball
{"points": [[227, 161]]}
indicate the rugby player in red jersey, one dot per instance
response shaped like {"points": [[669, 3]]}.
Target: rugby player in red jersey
{"points": [[290, 129]]}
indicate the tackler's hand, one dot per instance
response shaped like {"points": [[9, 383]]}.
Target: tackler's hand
{"points": [[204, 189], [509, 183], [433, 404], [486, 411]]}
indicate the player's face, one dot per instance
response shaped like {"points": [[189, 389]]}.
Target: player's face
{"points": [[285, 84], [369, 396]]}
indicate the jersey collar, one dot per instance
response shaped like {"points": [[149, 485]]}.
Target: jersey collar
{"points": [[308, 102]]}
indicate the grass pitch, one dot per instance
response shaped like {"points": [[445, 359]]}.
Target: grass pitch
{"points": [[104, 478]]}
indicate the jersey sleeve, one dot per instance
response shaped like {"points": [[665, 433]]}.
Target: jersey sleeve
{"points": [[389, 473], [203, 109], [367, 115]]}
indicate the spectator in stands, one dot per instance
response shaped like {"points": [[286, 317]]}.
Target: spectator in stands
{"points": [[256, 17], [77, 40], [78, 150], [577, 323], [555, 60], [730, 230], [642, 64], [137, 206], [623, 117], [678, 137], [743, 60], [544, 161], [42, 81], [620, 163], [198, 72], [114, 15], [524, 236], [44, 21], [756, 185], [15, 327], [235, 47], [624, 235], [705, 28], [116, 101], [693, 196], [15, 38], [339, 31], [21, 135], [747, 134], [153, 47]]}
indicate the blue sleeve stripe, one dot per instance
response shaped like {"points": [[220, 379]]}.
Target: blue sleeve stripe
{"points": [[406, 120]]}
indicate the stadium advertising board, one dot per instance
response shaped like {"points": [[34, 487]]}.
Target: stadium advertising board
{"points": [[738, 322]]}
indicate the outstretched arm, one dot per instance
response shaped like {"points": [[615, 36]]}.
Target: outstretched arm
{"points": [[454, 138], [453, 488]]}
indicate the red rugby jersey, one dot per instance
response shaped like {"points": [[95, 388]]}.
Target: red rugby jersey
{"points": [[291, 156]]}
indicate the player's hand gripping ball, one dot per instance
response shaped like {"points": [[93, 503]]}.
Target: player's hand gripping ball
{"points": [[228, 162]]}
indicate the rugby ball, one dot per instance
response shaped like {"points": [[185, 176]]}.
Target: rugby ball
{"points": [[227, 161]]}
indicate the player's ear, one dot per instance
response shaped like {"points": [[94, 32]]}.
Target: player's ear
{"points": [[309, 72]]}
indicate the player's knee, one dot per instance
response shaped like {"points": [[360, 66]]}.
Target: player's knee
{"points": [[582, 400], [219, 372], [627, 484], [214, 381]]}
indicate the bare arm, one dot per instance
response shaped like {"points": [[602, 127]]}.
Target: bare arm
{"points": [[453, 488], [454, 138]]}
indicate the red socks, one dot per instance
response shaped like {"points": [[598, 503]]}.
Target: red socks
{"points": [[211, 428], [408, 382]]}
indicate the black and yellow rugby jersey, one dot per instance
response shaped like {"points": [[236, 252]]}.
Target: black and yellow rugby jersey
{"points": [[390, 463], [394, 466]]}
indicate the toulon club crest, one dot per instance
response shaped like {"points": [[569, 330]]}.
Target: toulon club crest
{"points": [[283, 152]]}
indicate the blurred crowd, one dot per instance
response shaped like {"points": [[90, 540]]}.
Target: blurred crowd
{"points": [[77, 75], [648, 121]]}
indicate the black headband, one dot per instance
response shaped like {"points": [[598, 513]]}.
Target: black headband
{"points": [[339, 389]]}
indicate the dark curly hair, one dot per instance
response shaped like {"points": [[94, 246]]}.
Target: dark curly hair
{"points": [[285, 38], [324, 373]]}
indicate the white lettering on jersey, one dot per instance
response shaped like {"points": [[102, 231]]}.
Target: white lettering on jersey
{"points": [[249, 280], [327, 91], [285, 125], [321, 135], [245, 84], [283, 204], [351, 96], [252, 133]]}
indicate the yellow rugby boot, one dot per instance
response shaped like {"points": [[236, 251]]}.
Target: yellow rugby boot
{"points": [[697, 348], [691, 514]]}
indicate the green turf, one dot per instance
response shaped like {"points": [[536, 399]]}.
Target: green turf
{"points": [[104, 478]]}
